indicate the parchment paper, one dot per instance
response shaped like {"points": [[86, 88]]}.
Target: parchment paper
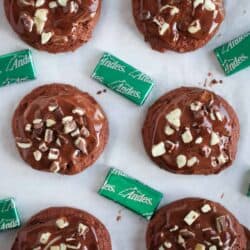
{"points": [[116, 33]]}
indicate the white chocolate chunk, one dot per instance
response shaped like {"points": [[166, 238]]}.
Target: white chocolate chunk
{"points": [[219, 116], [28, 2], [163, 26], [79, 111], [206, 208], [37, 121], [197, 3], [55, 248], [40, 19], [212, 116], [209, 5], [158, 149], [200, 247], [167, 244], [192, 161], [174, 117], [44, 238], [53, 107], [62, 223], [194, 27], [196, 106], [82, 229], [24, 145], [199, 140], [213, 27], [53, 4], [67, 119], [161, 248], [215, 139], [181, 161], [191, 217], [40, 3], [50, 123], [53, 154], [213, 247], [78, 246], [63, 246], [28, 127], [222, 159], [173, 9], [187, 136], [37, 155], [73, 7], [173, 229], [55, 167], [45, 37], [168, 130], [62, 2]]}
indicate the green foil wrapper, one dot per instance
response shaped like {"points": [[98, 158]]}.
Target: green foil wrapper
{"points": [[16, 67], [248, 192], [234, 55], [130, 193], [9, 216], [123, 78]]}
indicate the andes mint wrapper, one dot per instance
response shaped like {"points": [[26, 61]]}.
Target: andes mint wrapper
{"points": [[131, 193], [16, 67], [123, 78], [9, 216], [234, 55], [248, 191]]}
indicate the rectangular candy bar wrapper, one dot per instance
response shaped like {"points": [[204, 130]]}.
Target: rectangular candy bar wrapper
{"points": [[123, 78], [248, 191], [16, 67], [9, 216], [234, 55], [131, 193]]}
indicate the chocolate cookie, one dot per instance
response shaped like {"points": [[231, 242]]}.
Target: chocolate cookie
{"points": [[60, 129], [54, 26], [195, 224], [177, 25], [248, 238], [61, 228], [191, 131]]}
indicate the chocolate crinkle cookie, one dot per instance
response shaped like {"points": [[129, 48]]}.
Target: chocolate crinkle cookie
{"points": [[60, 129], [63, 228], [191, 131], [196, 224], [53, 26], [179, 25]]}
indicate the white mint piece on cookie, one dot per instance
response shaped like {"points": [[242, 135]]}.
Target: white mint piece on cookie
{"points": [[37, 155], [173, 9], [194, 27], [168, 130], [192, 161], [62, 2], [82, 229], [199, 140], [215, 139], [158, 149], [222, 158], [53, 4], [163, 28], [197, 3], [195, 106], [167, 244], [209, 5], [40, 3], [45, 37], [219, 116], [174, 117], [40, 19], [200, 247], [191, 217], [206, 208], [181, 161], [24, 145], [213, 247], [44, 238], [79, 111], [187, 136], [62, 223], [50, 123]]}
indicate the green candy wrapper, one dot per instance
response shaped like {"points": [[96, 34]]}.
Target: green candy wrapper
{"points": [[16, 67], [130, 193], [9, 216], [123, 78], [248, 192], [234, 55]]}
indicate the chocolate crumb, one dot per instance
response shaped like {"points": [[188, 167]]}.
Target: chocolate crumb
{"points": [[118, 218], [222, 195], [99, 92]]}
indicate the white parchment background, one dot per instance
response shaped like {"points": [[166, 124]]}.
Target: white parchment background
{"points": [[116, 33]]}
